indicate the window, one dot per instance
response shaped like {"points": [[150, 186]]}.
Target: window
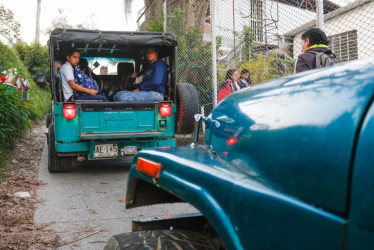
{"points": [[344, 45], [106, 65], [256, 19]]}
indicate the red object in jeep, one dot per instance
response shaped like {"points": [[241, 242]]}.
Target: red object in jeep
{"points": [[69, 111], [165, 109]]}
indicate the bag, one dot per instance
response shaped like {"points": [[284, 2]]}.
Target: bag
{"points": [[324, 59], [84, 80]]}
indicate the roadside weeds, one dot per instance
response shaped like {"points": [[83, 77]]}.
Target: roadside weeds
{"points": [[17, 229]]}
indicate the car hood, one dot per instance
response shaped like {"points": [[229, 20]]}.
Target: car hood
{"points": [[297, 133]]}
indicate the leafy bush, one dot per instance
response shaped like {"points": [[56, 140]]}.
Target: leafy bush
{"points": [[39, 100], [13, 119], [13, 115], [267, 68], [34, 57]]}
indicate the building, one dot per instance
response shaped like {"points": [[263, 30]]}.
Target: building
{"points": [[350, 30]]}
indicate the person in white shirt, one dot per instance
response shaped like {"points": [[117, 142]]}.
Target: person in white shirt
{"points": [[68, 81]]}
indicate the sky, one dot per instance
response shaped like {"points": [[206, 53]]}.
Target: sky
{"points": [[104, 14]]}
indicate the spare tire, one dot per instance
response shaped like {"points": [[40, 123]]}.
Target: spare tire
{"points": [[187, 106]]}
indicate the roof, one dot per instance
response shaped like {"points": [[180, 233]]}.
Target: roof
{"points": [[96, 43], [114, 37], [329, 16], [310, 5]]}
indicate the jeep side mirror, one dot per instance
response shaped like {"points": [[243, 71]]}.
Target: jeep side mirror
{"points": [[41, 79]]}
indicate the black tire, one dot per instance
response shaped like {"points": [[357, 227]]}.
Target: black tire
{"points": [[161, 239], [48, 120], [57, 164], [188, 106]]}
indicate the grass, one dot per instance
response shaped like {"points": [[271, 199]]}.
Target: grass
{"points": [[13, 120], [4, 160], [14, 116]]}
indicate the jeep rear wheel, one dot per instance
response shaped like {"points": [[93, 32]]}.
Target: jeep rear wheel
{"points": [[161, 239], [56, 164], [48, 120], [188, 106]]}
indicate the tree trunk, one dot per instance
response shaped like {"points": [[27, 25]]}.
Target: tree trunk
{"points": [[37, 28], [194, 10]]}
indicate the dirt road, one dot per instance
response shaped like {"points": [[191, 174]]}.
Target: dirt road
{"points": [[85, 206]]}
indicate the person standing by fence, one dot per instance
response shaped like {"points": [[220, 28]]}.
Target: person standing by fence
{"points": [[313, 43], [245, 78], [230, 85]]}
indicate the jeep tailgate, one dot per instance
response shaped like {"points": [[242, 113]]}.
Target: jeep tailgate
{"points": [[118, 120]]}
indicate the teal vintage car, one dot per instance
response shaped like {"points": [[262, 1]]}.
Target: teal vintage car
{"points": [[94, 130], [288, 164]]}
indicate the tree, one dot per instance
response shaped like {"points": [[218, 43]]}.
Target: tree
{"points": [[9, 27], [34, 57], [37, 26], [61, 21], [127, 7], [194, 59], [195, 11]]}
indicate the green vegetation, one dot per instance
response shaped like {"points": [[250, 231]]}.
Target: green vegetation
{"points": [[9, 27], [14, 115], [34, 57], [263, 66], [194, 59]]}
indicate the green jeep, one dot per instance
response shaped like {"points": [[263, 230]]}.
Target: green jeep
{"points": [[95, 130]]}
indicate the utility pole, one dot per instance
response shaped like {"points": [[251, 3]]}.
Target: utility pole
{"points": [[37, 28], [165, 16]]}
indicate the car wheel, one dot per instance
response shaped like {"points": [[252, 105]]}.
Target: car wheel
{"points": [[56, 164], [48, 120], [161, 239], [188, 106]]}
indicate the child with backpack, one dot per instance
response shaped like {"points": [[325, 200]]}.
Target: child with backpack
{"points": [[316, 53]]}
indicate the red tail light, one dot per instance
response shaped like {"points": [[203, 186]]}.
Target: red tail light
{"points": [[69, 111], [165, 109]]}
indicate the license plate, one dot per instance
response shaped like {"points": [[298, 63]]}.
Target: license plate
{"points": [[106, 150], [130, 150]]}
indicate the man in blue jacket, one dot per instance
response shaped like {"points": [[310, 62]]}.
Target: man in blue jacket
{"points": [[152, 85]]}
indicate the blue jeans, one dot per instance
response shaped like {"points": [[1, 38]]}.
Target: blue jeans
{"points": [[99, 97], [140, 96]]}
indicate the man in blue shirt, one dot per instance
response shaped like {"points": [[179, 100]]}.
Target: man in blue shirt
{"points": [[152, 86]]}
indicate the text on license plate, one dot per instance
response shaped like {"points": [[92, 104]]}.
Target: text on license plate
{"points": [[106, 150]]}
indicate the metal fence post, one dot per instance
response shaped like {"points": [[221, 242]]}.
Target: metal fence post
{"points": [[214, 50], [165, 16], [320, 19]]}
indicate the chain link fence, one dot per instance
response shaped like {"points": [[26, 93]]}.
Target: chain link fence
{"points": [[263, 36]]}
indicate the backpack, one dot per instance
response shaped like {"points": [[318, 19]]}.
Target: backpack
{"points": [[84, 80], [324, 59]]}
